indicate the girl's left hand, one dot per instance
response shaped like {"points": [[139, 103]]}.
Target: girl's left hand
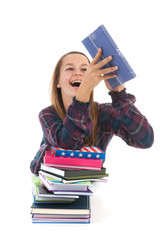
{"points": [[116, 89]]}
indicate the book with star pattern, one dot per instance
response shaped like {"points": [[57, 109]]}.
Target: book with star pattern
{"points": [[90, 152], [72, 163]]}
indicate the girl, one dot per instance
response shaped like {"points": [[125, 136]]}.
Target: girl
{"points": [[74, 119]]}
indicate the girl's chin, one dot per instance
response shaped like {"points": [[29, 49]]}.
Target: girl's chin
{"points": [[74, 89]]}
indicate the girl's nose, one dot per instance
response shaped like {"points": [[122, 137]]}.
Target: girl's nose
{"points": [[78, 73]]}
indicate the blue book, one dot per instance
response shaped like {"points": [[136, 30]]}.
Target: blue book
{"points": [[100, 38], [64, 221], [91, 152]]}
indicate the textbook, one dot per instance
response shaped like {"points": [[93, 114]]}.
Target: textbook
{"points": [[76, 212], [69, 162], [60, 218], [100, 38], [73, 174], [52, 218], [86, 152], [80, 206]]}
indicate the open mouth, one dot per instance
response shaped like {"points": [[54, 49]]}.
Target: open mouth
{"points": [[75, 83]]}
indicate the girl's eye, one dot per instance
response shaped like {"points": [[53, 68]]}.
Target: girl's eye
{"points": [[84, 69], [69, 69]]}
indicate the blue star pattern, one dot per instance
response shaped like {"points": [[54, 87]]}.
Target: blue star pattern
{"points": [[86, 152]]}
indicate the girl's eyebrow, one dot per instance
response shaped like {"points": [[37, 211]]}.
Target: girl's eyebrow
{"points": [[83, 64], [69, 64]]}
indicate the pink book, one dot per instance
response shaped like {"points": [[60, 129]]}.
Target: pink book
{"points": [[50, 159]]}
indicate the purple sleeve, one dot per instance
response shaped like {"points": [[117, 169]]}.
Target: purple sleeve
{"points": [[70, 132], [134, 128]]}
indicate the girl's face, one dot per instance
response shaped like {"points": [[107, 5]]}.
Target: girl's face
{"points": [[71, 75]]}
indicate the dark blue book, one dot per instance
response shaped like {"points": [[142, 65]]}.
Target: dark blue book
{"points": [[79, 207], [100, 38]]}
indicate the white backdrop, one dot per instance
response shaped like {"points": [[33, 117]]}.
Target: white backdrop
{"points": [[34, 34]]}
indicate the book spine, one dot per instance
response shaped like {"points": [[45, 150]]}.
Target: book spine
{"points": [[53, 171], [48, 160], [101, 38], [68, 167], [81, 155]]}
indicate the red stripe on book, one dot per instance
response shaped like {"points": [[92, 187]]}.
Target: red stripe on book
{"points": [[57, 148], [100, 150], [93, 149], [86, 149]]}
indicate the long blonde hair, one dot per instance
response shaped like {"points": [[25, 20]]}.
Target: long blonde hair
{"points": [[57, 102]]}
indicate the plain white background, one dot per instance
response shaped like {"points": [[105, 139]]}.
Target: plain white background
{"points": [[34, 34]]}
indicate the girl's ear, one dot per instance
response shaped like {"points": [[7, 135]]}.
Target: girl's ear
{"points": [[58, 85]]}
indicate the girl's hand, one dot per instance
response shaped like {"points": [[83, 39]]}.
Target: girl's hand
{"points": [[94, 75], [116, 89]]}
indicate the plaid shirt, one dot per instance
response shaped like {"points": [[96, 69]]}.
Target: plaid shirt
{"points": [[121, 118]]}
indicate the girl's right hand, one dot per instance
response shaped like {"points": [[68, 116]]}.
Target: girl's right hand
{"points": [[94, 75]]}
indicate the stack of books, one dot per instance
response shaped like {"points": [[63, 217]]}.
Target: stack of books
{"points": [[66, 178]]}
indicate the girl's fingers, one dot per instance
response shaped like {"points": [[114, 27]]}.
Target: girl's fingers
{"points": [[108, 70], [96, 58], [104, 62], [106, 77]]}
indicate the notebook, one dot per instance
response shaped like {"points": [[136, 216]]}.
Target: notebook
{"points": [[100, 38]]}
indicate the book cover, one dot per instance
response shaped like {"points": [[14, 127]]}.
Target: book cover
{"points": [[78, 207], [66, 220], [69, 167], [100, 38], [72, 174], [51, 160], [86, 152], [43, 193], [45, 200], [60, 216], [99, 177], [79, 193]]}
